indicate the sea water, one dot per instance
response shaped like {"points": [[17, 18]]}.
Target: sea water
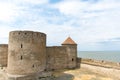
{"points": [[113, 56]]}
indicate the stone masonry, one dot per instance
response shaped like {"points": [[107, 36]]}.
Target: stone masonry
{"points": [[28, 54], [3, 55]]}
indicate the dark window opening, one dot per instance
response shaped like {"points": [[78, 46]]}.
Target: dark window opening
{"points": [[72, 59], [18, 33], [39, 78], [45, 70], [102, 61], [1, 67], [53, 69], [21, 57], [21, 45], [33, 66], [25, 33]]}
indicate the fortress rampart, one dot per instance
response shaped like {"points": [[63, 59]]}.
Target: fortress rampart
{"points": [[27, 55], [101, 67], [3, 55], [28, 58], [100, 63], [57, 57]]}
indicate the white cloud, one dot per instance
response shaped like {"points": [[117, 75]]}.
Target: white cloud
{"points": [[73, 7], [36, 1], [7, 11], [77, 8], [104, 5], [86, 22], [98, 21], [4, 33]]}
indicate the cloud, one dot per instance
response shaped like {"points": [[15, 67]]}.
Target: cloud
{"points": [[70, 7], [97, 21], [4, 33], [7, 12], [35, 1], [88, 22]]}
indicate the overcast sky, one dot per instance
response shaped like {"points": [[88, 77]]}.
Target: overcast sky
{"points": [[92, 24]]}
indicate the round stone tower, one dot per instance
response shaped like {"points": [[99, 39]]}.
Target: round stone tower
{"points": [[71, 47], [26, 52], [3, 54]]}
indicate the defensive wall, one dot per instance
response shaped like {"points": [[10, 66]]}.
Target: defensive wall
{"points": [[100, 63], [27, 55], [101, 67], [3, 55], [56, 57], [61, 57]]}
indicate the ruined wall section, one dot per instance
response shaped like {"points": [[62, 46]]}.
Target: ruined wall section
{"points": [[56, 58], [3, 55], [100, 63], [27, 52]]}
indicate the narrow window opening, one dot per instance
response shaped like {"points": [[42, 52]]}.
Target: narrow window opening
{"points": [[33, 66], [48, 56], [72, 59], [45, 70], [53, 69], [21, 57], [1, 67], [39, 77], [25, 33], [102, 61], [21, 45]]}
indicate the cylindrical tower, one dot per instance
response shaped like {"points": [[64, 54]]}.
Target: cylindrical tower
{"points": [[26, 52], [3, 54]]}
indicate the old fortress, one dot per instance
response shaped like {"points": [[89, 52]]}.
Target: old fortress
{"points": [[27, 54]]}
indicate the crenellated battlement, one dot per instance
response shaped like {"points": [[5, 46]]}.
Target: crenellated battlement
{"points": [[26, 36]]}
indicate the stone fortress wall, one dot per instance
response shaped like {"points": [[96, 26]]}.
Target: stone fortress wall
{"points": [[28, 55], [3, 55], [56, 57], [59, 57], [100, 63], [101, 67]]}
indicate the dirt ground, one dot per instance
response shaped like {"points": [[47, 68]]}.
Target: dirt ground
{"points": [[79, 74], [76, 74]]}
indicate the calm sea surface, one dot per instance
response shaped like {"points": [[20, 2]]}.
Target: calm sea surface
{"points": [[113, 56]]}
